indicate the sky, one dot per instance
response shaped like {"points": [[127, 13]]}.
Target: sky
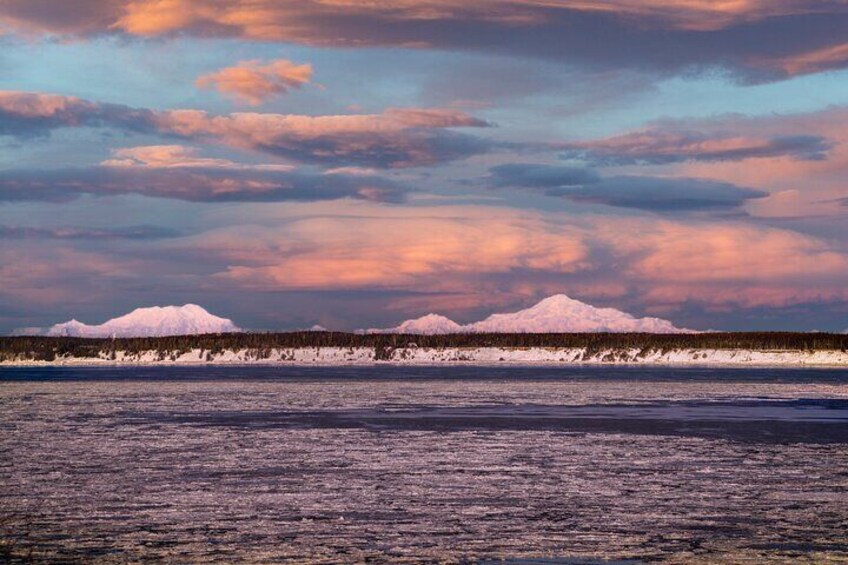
{"points": [[354, 163]]}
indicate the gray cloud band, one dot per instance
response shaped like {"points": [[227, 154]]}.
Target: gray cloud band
{"points": [[636, 192], [757, 41], [194, 184], [396, 138]]}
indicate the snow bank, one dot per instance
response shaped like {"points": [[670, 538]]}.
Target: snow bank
{"points": [[335, 356]]}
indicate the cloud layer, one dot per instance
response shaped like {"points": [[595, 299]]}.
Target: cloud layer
{"points": [[480, 251], [757, 39], [657, 194], [389, 192], [662, 146], [396, 138], [71, 233], [453, 259], [195, 180]]}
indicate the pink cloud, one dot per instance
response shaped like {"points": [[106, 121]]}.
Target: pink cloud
{"points": [[461, 257], [193, 182], [287, 20], [253, 83], [397, 137], [263, 129], [48, 272], [428, 247], [40, 105], [800, 159], [829, 58], [659, 145], [163, 156], [726, 252], [799, 187], [726, 263], [660, 35], [178, 156], [29, 113]]}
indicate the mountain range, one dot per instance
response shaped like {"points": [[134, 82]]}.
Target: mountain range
{"points": [[555, 314]]}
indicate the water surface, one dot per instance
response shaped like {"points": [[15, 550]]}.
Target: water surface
{"points": [[411, 464]]}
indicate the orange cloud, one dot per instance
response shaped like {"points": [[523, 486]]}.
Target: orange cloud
{"points": [[253, 83], [153, 17]]}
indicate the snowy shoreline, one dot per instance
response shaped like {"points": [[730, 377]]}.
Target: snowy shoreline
{"points": [[548, 356]]}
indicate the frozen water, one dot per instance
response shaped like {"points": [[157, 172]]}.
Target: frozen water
{"points": [[394, 465]]}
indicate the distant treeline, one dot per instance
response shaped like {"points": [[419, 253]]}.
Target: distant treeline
{"points": [[49, 348]]}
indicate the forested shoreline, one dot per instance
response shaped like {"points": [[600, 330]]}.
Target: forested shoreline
{"points": [[39, 348]]}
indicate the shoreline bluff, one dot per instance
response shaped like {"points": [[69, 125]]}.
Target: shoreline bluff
{"points": [[484, 356]]}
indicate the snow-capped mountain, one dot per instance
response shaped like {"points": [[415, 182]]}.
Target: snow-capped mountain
{"points": [[151, 322], [431, 324], [556, 314], [561, 314]]}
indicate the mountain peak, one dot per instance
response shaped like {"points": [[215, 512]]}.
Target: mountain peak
{"points": [[431, 324], [558, 301], [153, 321], [562, 314]]}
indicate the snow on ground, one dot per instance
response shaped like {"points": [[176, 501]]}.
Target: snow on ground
{"points": [[333, 356]]}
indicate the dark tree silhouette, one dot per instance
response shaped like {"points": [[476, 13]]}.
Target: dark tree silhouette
{"points": [[261, 344]]}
